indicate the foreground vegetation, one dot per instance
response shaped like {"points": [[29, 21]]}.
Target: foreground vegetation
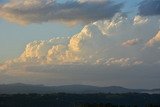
{"points": [[80, 100]]}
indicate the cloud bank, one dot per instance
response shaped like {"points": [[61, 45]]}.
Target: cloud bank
{"points": [[99, 40], [38, 11], [118, 46]]}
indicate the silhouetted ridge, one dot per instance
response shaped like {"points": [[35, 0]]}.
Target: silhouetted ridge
{"points": [[79, 89]]}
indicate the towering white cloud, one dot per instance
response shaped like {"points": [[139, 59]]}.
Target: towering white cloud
{"points": [[99, 40], [104, 48], [38, 50]]}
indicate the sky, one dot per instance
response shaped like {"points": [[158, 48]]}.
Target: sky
{"points": [[91, 42]]}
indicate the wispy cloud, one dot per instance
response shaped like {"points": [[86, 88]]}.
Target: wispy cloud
{"points": [[130, 42]]}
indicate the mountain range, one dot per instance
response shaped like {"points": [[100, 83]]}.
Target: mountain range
{"points": [[20, 88]]}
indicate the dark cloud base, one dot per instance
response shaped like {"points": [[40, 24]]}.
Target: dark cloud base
{"points": [[149, 8], [69, 11]]}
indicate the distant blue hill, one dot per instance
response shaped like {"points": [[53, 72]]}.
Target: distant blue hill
{"points": [[78, 89]]}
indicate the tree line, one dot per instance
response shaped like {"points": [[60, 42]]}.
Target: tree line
{"points": [[80, 100]]}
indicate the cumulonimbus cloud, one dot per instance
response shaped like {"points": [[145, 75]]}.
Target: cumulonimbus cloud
{"points": [[101, 42], [94, 55], [149, 8], [38, 11]]}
